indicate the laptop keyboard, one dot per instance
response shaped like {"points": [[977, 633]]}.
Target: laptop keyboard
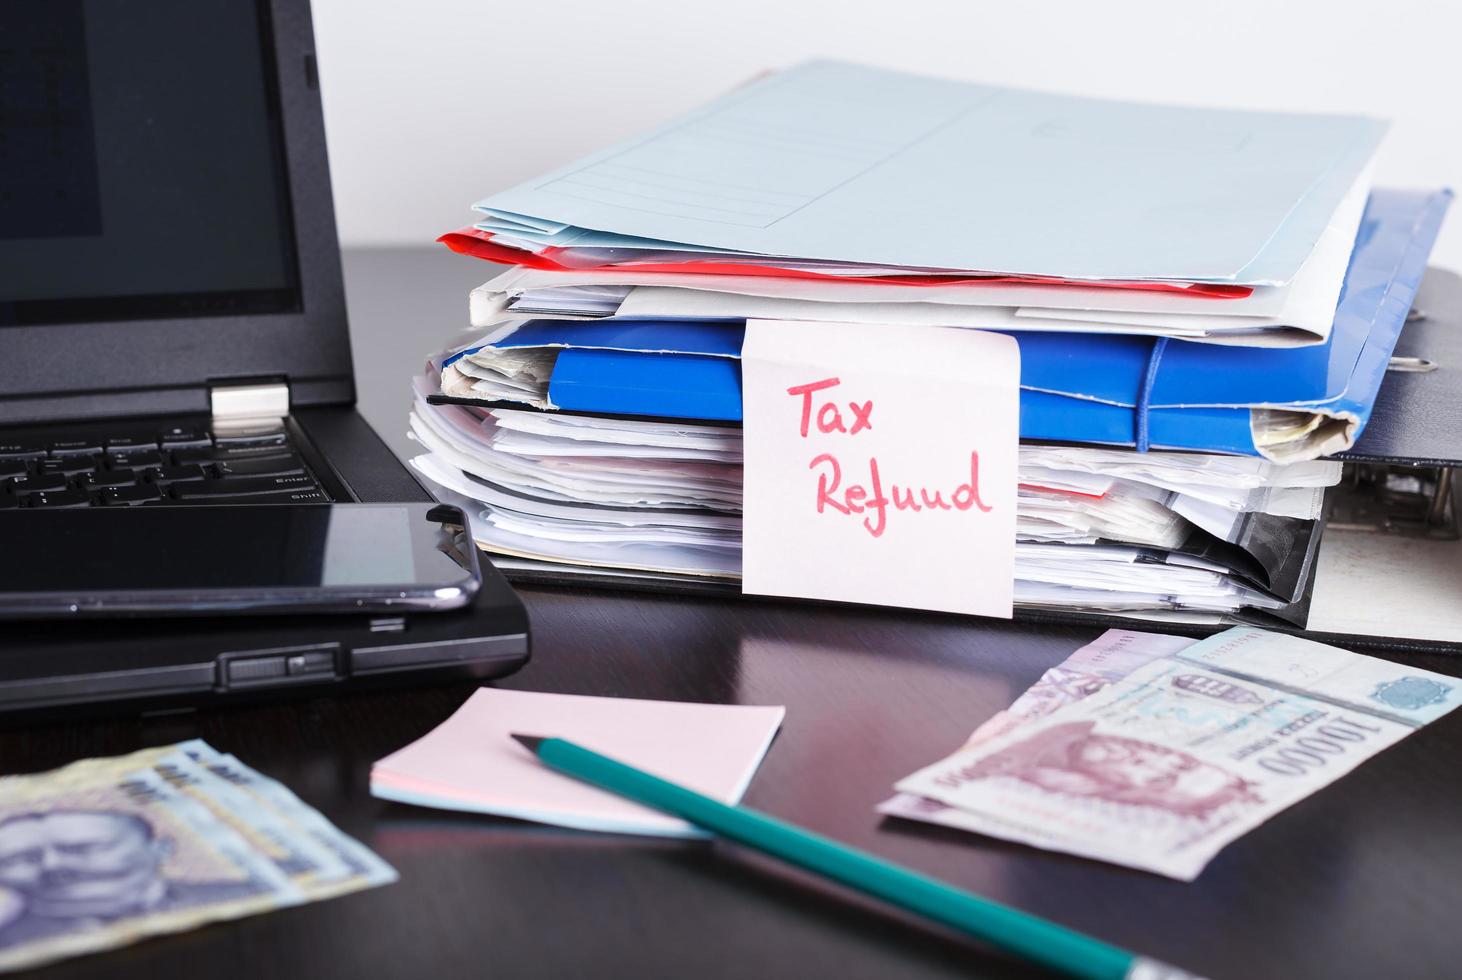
{"points": [[126, 465]]}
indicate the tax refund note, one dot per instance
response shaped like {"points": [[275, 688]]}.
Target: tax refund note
{"points": [[880, 464]]}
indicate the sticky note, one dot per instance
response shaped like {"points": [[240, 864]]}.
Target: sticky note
{"points": [[470, 762], [880, 464]]}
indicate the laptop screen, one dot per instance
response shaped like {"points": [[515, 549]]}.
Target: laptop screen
{"points": [[143, 162]]}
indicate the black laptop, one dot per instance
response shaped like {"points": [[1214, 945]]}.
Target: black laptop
{"points": [[173, 334]]}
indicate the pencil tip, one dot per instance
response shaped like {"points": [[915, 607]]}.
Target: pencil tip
{"points": [[531, 742]]}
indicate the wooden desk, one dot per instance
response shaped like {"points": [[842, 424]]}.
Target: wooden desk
{"points": [[1362, 879]]}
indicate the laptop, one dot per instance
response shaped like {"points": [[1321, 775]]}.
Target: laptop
{"points": [[173, 333]]}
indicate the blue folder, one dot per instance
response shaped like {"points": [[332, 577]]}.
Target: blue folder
{"points": [[1108, 389]]}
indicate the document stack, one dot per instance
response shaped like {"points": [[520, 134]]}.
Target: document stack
{"points": [[1205, 303]]}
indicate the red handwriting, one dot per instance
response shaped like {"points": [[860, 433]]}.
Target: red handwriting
{"points": [[829, 416], [870, 500]]}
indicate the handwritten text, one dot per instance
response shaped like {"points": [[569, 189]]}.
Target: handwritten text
{"points": [[867, 499]]}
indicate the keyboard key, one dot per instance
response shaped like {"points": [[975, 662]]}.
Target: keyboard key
{"points": [[67, 465], [13, 467], [142, 459], [60, 498], [260, 466], [165, 475], [8, 500], [201, 455], [241, 487], [176, 437], [213, 455], [124, 496], [71, 447], [128, 444], [259, 435], [114, 478], [277, 497], [21, 450], [40, 483]]}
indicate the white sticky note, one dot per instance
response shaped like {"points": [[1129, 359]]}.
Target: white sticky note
{"points": [[880, 464]]}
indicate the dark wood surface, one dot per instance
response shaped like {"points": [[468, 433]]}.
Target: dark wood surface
{"points": [[1364, 879]]}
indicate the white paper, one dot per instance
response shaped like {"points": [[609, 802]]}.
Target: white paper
{"points": [[470, 761], [1265, 301], [880, 479]]}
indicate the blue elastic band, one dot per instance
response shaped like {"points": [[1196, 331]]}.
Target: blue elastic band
{"points": [[1144, 396], [459, 355]]}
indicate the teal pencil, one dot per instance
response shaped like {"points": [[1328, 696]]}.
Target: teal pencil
{"points": [[1028, 936]]}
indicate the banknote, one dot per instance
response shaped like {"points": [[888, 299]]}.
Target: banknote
{"points": [[353, 864], [105, 852], [1161, 768], [1110, 657], [301, 858]]}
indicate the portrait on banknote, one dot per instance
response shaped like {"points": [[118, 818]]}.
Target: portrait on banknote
{"points": [[72, 869], [1077, 761]]}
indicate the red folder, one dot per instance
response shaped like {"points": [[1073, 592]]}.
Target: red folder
{"points": [[480, 244]]}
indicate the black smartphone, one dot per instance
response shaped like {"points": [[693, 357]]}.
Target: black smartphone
{"points": [[195, 561]]}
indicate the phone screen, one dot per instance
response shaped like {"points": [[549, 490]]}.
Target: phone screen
{"points": [[353, 549]]}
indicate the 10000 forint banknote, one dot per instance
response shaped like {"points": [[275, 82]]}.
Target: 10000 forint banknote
{"points": [[1169, 756]]}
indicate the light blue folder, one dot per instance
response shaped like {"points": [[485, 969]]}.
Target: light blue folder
{"points": [[844, 163], [1116, 390]]}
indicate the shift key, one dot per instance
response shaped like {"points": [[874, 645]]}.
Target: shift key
{"points": [[267, 466], [240, 487]]}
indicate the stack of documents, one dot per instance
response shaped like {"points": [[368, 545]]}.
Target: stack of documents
{"points": [[1099, 529], [1205, 303]]}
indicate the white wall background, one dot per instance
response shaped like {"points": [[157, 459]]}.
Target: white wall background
{"points": [[433, 104]]}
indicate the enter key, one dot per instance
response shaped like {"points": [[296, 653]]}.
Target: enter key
{"points": [[266, 466]]}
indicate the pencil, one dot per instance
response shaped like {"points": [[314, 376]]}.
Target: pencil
{"points": [[1027, 936]]}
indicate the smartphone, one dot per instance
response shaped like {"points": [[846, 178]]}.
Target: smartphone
{"points": [[265, 558]]}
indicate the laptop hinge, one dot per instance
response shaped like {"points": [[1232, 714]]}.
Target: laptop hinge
{"points": [[249, 402]]}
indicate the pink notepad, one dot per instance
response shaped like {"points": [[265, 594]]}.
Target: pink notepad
{"points": [[469, 762]]}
